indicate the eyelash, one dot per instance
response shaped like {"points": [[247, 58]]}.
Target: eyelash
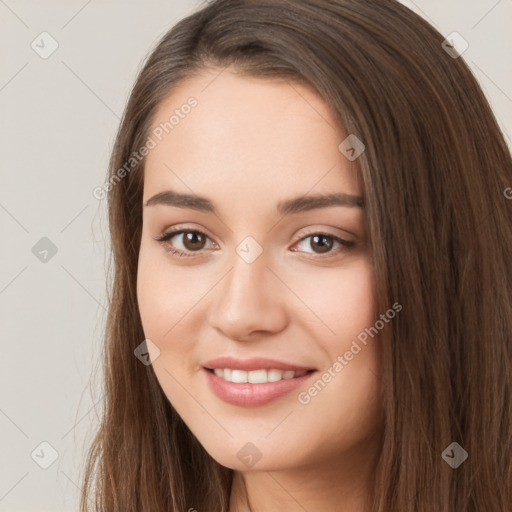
{"points": [[165, 237]]}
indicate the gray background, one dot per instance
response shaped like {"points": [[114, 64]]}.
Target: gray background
{"points": [[59, 116]]}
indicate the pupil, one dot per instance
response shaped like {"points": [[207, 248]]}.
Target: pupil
{"points": [[191, 240], [324, 247]]}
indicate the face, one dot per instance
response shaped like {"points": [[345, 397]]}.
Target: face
{"points": [[253, 291]]}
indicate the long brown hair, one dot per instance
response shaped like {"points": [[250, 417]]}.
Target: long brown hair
{"points": [[434, 171]]}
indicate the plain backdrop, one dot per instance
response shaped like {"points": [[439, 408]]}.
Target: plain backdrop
{"points": [[58, 120]]}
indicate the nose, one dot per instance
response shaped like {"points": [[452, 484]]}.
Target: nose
{"points": [[249, 301]]}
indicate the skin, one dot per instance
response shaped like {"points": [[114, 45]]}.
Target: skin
{"points": [[248, 144]]}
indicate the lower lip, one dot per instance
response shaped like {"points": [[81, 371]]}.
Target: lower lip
{"points": [[252, 395]]}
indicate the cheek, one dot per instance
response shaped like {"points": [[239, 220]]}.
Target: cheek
{"points": [[341, 300], [150, 295], [164, 296], [164, 293], [353, 305], [347, 392]]}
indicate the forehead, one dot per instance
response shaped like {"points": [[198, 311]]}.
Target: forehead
{"points": [[248, 134]]}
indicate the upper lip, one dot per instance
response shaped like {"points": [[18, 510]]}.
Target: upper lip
{"points": [[254, 363]]}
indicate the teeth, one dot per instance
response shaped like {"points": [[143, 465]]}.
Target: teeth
{"points": [[255, 376], [239, 376], [274, 375]]}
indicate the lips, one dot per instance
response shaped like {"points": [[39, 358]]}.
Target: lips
{"points": [[253, 382], [255, 363]]}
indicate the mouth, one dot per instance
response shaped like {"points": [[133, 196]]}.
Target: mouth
{"points": [[253, 382]]}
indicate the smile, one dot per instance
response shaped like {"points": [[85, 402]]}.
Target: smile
{"points": [[260, 376], [253, 382]]}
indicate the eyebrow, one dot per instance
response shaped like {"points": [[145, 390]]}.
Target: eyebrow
{"points": [[290, 206]]}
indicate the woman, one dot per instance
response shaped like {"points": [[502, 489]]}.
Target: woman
{"points": [[311, 304]]}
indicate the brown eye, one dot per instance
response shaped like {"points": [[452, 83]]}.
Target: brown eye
{"points": [[324, 243], [183, 242], [193, 240]]}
